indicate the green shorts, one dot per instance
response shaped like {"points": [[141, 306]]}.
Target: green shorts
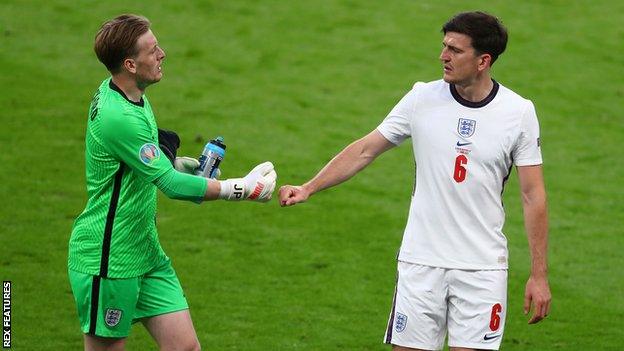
{"points": [[107, 307]]}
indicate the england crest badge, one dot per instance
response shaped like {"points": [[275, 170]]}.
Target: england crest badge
{"points": [[466, 127], [400, 322], [112, 317]]}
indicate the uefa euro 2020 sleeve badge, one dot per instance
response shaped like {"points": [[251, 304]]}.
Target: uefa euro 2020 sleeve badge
{"points": [[149, 153]]}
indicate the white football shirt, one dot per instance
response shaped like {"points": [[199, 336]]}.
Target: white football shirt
{"points": [[464, 152]]}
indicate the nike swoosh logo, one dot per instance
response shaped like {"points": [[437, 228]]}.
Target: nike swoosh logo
{"points": [[463, 144], [490, 337]]}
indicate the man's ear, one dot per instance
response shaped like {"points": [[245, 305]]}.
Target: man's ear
{"points": [[485, 61], [129, 65]]}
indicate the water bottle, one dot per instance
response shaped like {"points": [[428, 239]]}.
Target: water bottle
{"points": [[211, 157]]}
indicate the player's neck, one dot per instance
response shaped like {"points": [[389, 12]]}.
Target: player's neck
{"points": [[129, 87], [476, 90]]}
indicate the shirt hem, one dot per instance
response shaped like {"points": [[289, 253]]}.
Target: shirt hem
{"points": [[384, 134], [530, 162], [469, 267]]}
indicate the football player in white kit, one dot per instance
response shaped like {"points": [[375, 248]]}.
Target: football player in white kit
{"points": [[467, 132]]}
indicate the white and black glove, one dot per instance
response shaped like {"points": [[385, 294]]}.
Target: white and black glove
{"points": [[189, 165], [185, 164], [258, 185]]}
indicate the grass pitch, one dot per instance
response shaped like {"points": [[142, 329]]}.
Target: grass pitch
{"points": [[294, 82]]}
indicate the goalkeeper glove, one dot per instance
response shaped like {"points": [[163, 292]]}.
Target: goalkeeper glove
{"points": [[258, 185], [185, 164], [189, 165]]}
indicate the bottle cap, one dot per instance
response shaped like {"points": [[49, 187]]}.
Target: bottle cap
{"points": [[218, 141]]}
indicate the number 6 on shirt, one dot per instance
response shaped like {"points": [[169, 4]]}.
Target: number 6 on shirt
{"points": [[460, 172]]}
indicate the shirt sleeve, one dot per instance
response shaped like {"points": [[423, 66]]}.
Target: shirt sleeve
{"points": [[527, 150], [129, 139], [182, 186], [396, 126]]}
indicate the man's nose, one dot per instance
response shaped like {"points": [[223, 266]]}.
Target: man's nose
{"points": [[444, 55]]}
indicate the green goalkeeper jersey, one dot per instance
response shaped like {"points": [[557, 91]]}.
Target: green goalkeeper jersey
{"points": [[115, 236]]}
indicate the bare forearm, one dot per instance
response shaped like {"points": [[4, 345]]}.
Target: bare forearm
{"points": [[349, 161], [345, 165], [537, 292], [342, 167], [212, 190], [536, 223]]}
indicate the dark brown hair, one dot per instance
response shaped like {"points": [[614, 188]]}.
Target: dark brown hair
{"points": [[116, 40], [488, 34]]}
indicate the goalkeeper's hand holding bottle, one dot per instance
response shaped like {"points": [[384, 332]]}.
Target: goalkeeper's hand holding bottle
{"points": [[189, 165], [185, 164]]}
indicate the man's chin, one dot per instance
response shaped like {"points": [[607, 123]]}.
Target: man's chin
{"points": [[146, 83], [156, 79], [448, 79]]}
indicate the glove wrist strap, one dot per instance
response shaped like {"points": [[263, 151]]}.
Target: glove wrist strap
{"points": [[232, 189]]}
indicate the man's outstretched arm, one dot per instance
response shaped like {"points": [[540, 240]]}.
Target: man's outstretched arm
{"points": [[258, 185], [345, 165], [537, 292]]}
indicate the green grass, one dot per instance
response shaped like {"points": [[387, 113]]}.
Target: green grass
{"points": [[294, 82]]}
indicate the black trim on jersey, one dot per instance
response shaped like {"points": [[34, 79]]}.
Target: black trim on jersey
{"points": [[477, 104], [95, 298], [505, 179], [114, 86], [110, 218]]}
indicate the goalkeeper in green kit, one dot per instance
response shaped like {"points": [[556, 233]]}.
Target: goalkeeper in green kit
{"points": [[119, 273]]}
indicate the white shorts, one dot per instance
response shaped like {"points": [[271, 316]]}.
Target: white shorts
{"points": [[429, 301]]}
